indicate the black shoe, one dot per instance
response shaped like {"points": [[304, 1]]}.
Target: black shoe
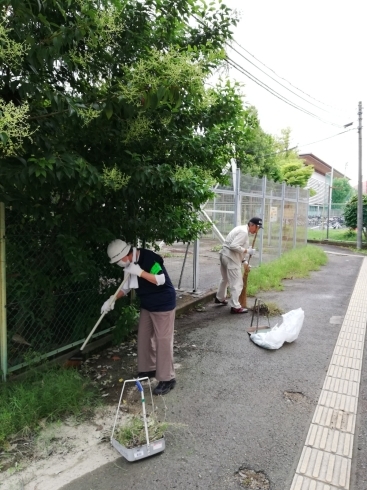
{"points": [[217, 302], [146, 374], [164, 387], [239, 310]]}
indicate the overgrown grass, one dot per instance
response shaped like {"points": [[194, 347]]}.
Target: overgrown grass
{"points": [[344, 234], [295, 263], [49, 394]]}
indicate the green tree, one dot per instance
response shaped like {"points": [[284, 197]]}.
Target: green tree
{"points": [[118, 134], [107, 130], [292, 169], [342, 191], [256, 150], [350, 213]]}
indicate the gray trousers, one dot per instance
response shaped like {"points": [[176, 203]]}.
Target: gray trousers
{"points": [[155, 343], [232, 277]]}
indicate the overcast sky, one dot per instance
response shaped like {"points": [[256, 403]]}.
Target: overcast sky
{"points": [[316, 49]]}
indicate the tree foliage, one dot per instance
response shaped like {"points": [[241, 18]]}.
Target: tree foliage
{"points": [[292, 169], [342, 191], [350, 213], [117, 133]]}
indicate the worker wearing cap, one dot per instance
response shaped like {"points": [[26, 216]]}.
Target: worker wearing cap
{"points": [[157, 310], [235, 248]]}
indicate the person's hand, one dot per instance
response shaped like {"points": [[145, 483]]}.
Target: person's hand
{"points": [[251, 251], [134, 269], [108, 305]]}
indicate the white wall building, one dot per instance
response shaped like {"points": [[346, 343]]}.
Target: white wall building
{"points": [[320, 181]]}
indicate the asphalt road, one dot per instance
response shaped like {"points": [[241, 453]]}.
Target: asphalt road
{"points": [[238, 406]]}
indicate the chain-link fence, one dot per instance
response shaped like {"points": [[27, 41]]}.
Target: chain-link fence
{"points": [[51, 303], [323, 220], [53, 296]]}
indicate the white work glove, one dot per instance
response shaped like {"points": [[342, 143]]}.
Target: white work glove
{"points": [[134, 269], [251, 251], [108, 305]]}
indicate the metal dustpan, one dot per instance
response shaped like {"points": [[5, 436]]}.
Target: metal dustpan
{"points": [[145, 450], [258, 305]]}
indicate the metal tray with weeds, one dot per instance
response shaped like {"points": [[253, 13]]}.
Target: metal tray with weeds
{"points": [[143, 450]]}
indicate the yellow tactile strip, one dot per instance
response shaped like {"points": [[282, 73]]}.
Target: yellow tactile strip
{"points": [[325, 463]]}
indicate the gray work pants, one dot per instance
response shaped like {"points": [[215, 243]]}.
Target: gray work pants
{"points": [[155, 343], [231, 277]]}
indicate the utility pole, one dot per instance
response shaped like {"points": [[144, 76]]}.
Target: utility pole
{"points": [[360, 196]]}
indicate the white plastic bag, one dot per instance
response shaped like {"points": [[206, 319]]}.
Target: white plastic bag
{"points": [[287, 331]]}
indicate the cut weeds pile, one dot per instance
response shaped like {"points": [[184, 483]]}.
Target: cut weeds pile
{"points": [[132, 434]]}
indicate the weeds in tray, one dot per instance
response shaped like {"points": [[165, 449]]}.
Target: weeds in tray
{"points": [[132, 434]]}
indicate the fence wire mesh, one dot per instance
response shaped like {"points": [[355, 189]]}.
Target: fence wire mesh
{"points": [[54, 295]]}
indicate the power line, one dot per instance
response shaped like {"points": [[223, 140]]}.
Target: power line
{"points": [[276, 94], [328, 138], [262, 84], [279, 83], [270, 69], [307, 144]]}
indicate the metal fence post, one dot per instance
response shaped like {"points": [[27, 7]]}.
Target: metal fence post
{"points": [[196, 265], [295, 219], [237, 199], [281, 220], [3, 326], [263, 204]]}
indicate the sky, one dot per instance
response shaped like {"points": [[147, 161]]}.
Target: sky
{"points": [[316, 49]]}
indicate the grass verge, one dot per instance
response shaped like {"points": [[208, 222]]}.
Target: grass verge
{"points": [[295, 263], [344, 234], [43, 395]]}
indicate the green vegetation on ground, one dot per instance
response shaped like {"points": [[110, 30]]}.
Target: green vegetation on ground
{"points": [[344, 234], [293, 264], [49, 394]]}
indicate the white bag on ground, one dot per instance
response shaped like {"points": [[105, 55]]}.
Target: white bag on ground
{"points": [[287, 331]]}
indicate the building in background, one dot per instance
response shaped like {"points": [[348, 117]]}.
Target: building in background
{"points": [[321, 182]]}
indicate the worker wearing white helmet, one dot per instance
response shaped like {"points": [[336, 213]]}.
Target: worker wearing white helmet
{"points": [[157, 310]]}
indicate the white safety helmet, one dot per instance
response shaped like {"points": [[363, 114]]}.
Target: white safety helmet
{"points": [[117, 250]]}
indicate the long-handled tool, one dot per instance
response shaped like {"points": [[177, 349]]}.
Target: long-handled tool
{"points": [[243, 296], [140, 388], [78, 358]]}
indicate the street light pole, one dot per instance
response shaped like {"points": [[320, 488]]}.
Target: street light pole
{"points": [[360, 196]]}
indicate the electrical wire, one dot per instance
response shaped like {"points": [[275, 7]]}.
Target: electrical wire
{"points": [[263, 85], [281, 78], [328, 138], [307, 144], [279, 83], [276, 94]]}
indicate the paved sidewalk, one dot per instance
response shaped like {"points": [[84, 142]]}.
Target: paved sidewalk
{"points": [[326, 459], [242, 408]]}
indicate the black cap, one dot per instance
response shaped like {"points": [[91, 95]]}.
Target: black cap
{"points": [[257, 221]]}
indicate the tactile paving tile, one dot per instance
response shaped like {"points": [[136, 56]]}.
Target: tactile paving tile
{"points": [[326, 459], [330, 440], [326, 467], [304, 483]]}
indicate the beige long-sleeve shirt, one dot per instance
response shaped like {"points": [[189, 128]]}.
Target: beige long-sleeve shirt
{"points": [[236, 244]]}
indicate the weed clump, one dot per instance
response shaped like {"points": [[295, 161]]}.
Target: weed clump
{"points": [[132, 434], [48, 395]]}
